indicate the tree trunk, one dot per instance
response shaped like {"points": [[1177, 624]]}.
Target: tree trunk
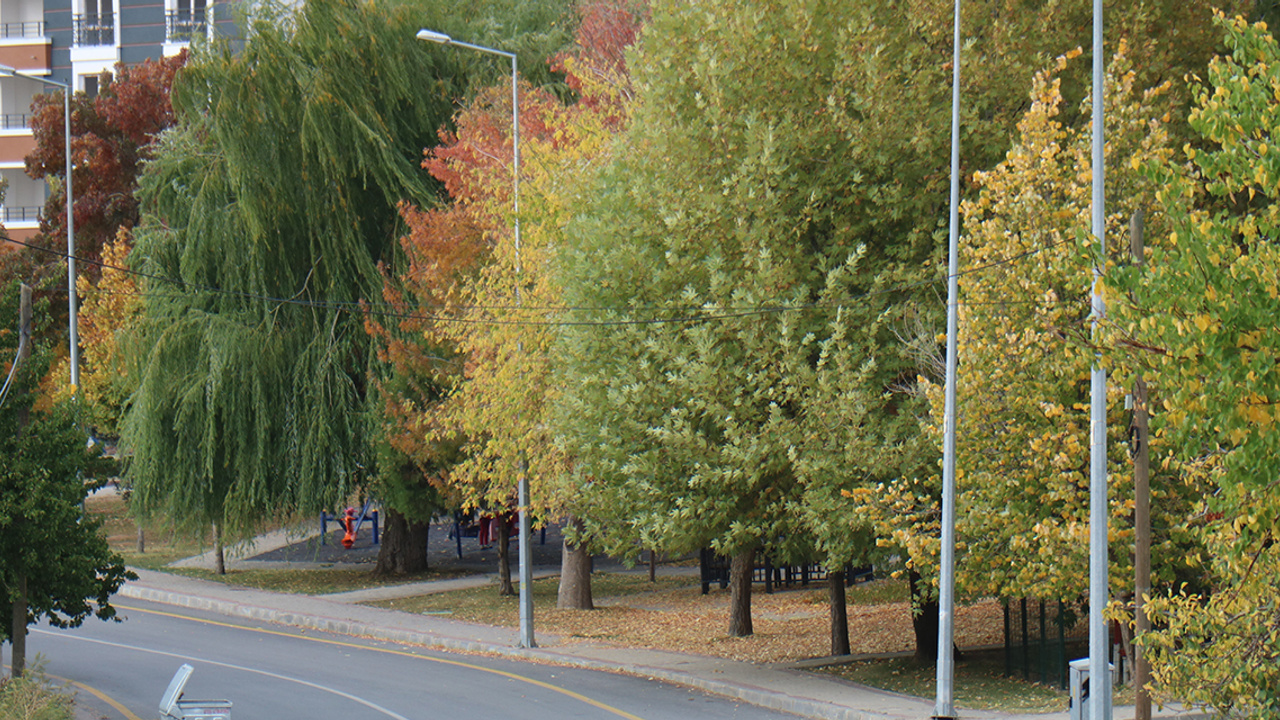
{"points": [[924, 620], [740, 570], [219, 557], [575, 575], [142, 540], [653, 566], [839, 614], [404, 545], [18, 631], [505, 588]]}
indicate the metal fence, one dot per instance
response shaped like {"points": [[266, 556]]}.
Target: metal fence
{"points": [[32, 29], [184, 25], [11, 214], [1039, 638], [95, 29], [15, 121]]}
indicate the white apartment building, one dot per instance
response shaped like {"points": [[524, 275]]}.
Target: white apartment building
{"points": [[73, 41]]}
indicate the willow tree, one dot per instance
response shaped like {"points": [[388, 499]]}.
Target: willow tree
{"points": [[267, 210]]}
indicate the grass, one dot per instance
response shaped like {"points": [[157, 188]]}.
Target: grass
{"points": [[309, 581], [979, 683], [32, 698], [484, 605], [163, 544]]}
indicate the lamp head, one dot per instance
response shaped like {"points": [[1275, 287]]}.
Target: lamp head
{"points": [[7, 71], [433, 36]]}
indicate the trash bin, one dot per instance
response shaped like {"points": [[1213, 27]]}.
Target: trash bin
{"points": [[1078, 702], [173, 706]]}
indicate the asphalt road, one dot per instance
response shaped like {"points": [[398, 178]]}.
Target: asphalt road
{"points": [[271, 672]]}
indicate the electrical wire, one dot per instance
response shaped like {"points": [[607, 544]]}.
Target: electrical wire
{"points": [[400, 311]]}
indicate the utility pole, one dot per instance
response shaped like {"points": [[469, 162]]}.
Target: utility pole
{"points": [[18, 626], [1141, 511]]}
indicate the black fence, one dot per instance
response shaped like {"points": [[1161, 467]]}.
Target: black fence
{"points": [[184, 25], [1040, 636], [95, 29], [714, 570]]}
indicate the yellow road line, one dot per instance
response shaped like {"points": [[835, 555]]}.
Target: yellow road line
{"points": [[456, 663], [128, 715]]}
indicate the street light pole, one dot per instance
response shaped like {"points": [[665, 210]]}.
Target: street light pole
{"points": [[72, 330], [526, 551]]}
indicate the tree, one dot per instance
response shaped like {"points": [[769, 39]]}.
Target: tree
{"points": [[1203, 318], [112, 136], [477, 370], [722, 268], [267, 209], [1026, 347], [54, 563]]}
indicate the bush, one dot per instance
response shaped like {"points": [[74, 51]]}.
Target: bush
{"points": [[32, 698]]}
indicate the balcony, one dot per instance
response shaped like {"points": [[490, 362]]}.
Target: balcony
{"points": [[15, 215], [33, 29], [15, 121], [182, 25], [95, 29]]}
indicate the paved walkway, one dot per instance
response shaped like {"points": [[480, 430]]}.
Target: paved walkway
{"points": [[779, 687]]}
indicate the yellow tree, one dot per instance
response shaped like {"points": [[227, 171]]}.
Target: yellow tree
{"points": [[1204, 328], [492, 302], [1026, 346]]}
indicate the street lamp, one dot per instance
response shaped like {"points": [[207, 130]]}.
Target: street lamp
{"points": [[526, 557], [74, 339]]}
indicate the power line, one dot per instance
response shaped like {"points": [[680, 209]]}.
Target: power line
{"points": [[402, 311]]}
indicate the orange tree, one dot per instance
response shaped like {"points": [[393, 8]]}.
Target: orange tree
{"points": [[474, 366]]}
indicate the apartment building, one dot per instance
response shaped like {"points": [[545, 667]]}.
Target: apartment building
{"points": [[73, 42]]}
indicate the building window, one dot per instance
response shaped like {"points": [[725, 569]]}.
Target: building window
{"points": [[97, 25], [91, 85], [185, 21]]}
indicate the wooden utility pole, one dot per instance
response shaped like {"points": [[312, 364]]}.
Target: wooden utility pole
{"points": [[1141, 512], [18, 627]]}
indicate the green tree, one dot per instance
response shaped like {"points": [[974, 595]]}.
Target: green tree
{"points": [[267, 210], [1203, 329], [55, 564]]}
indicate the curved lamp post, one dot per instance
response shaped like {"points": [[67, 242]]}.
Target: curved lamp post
{"points": [[74, 336], [526, 557]]}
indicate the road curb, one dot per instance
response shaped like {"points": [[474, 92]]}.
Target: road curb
{"points": [[753, 695]]}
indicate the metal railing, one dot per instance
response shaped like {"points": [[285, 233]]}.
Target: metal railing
{"points": [[15, 121], [10, 214], [32, 29], [95, 29], [183, 25]]}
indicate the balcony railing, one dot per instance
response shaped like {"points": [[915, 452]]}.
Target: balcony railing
{"points": [[33, 29], [183, 25], [95, 29], [10, 214], [14, 121]]}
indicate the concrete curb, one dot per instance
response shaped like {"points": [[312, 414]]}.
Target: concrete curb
{"points": [[753, 695]]}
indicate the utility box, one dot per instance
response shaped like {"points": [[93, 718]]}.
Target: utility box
{"points": [[1078, 703], [173, 706]]}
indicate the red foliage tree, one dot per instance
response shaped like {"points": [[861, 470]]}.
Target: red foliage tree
{"points": [[111, 137]]}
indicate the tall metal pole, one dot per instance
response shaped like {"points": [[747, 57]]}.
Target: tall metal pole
{"points": [[526, 551], [1099, 647], [944, 706], [73, 333], [72, 324]]}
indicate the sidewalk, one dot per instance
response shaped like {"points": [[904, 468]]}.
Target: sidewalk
{"points": [[783, 688]]}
